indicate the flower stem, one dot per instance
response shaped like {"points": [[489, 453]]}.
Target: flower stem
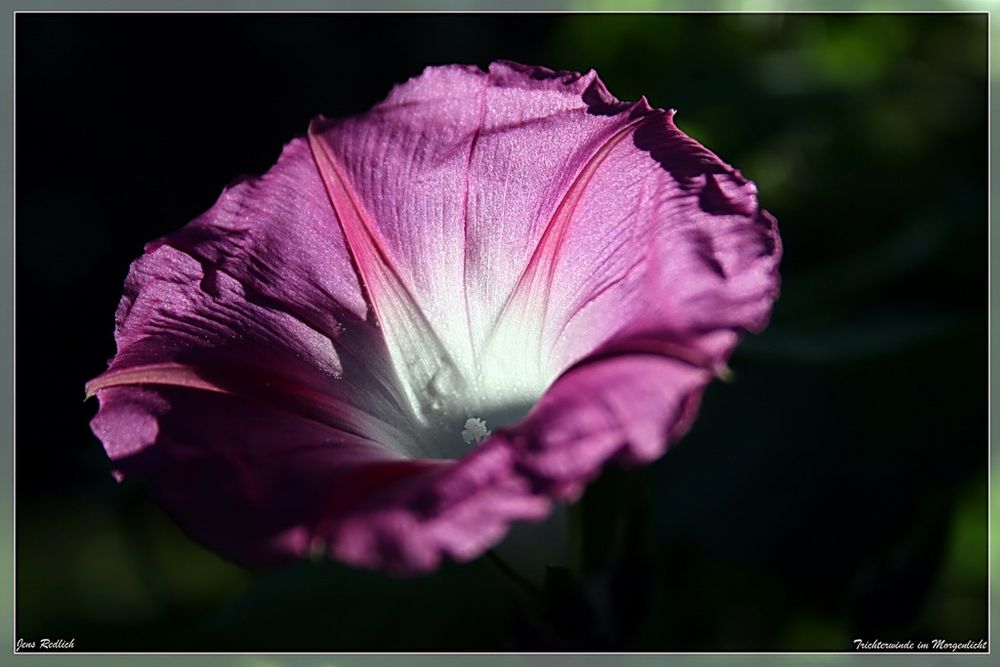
{"points": [[513, 575]]}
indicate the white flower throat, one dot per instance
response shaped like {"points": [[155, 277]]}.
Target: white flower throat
{"points": [[448, 375], [457, 414], [470, 397]]}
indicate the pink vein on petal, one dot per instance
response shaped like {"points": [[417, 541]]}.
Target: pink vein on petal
{"points": [[177, 375], [532, 286], [465, 209], [405, 327], [278, 393]]}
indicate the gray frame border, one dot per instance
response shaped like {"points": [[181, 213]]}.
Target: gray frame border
{"points": [[8, 342]]}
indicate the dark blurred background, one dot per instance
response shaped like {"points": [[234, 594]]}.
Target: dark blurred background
{"points": [[836, 489]]}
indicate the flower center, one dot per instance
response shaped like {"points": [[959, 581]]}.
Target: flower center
{"points": [[462, 421], [460, 399], [456, 415]]}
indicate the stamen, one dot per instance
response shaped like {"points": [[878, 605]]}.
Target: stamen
{"points": [[475, 431]]}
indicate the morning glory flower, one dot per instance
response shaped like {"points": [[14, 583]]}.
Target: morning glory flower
{"points": [[432, 320]]}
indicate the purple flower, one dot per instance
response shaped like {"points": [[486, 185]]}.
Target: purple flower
{"points": [[430, 320]]}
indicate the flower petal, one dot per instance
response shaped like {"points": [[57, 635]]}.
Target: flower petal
{"points": [[261, 483], [626, 405], [660, 239], [568, 217], [182, 325], [250, 480], [668, 241], [426, 367], [460, 171], [264, 280]]}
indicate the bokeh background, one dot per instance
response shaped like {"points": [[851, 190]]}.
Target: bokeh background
{"points": [[835, 489]]}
